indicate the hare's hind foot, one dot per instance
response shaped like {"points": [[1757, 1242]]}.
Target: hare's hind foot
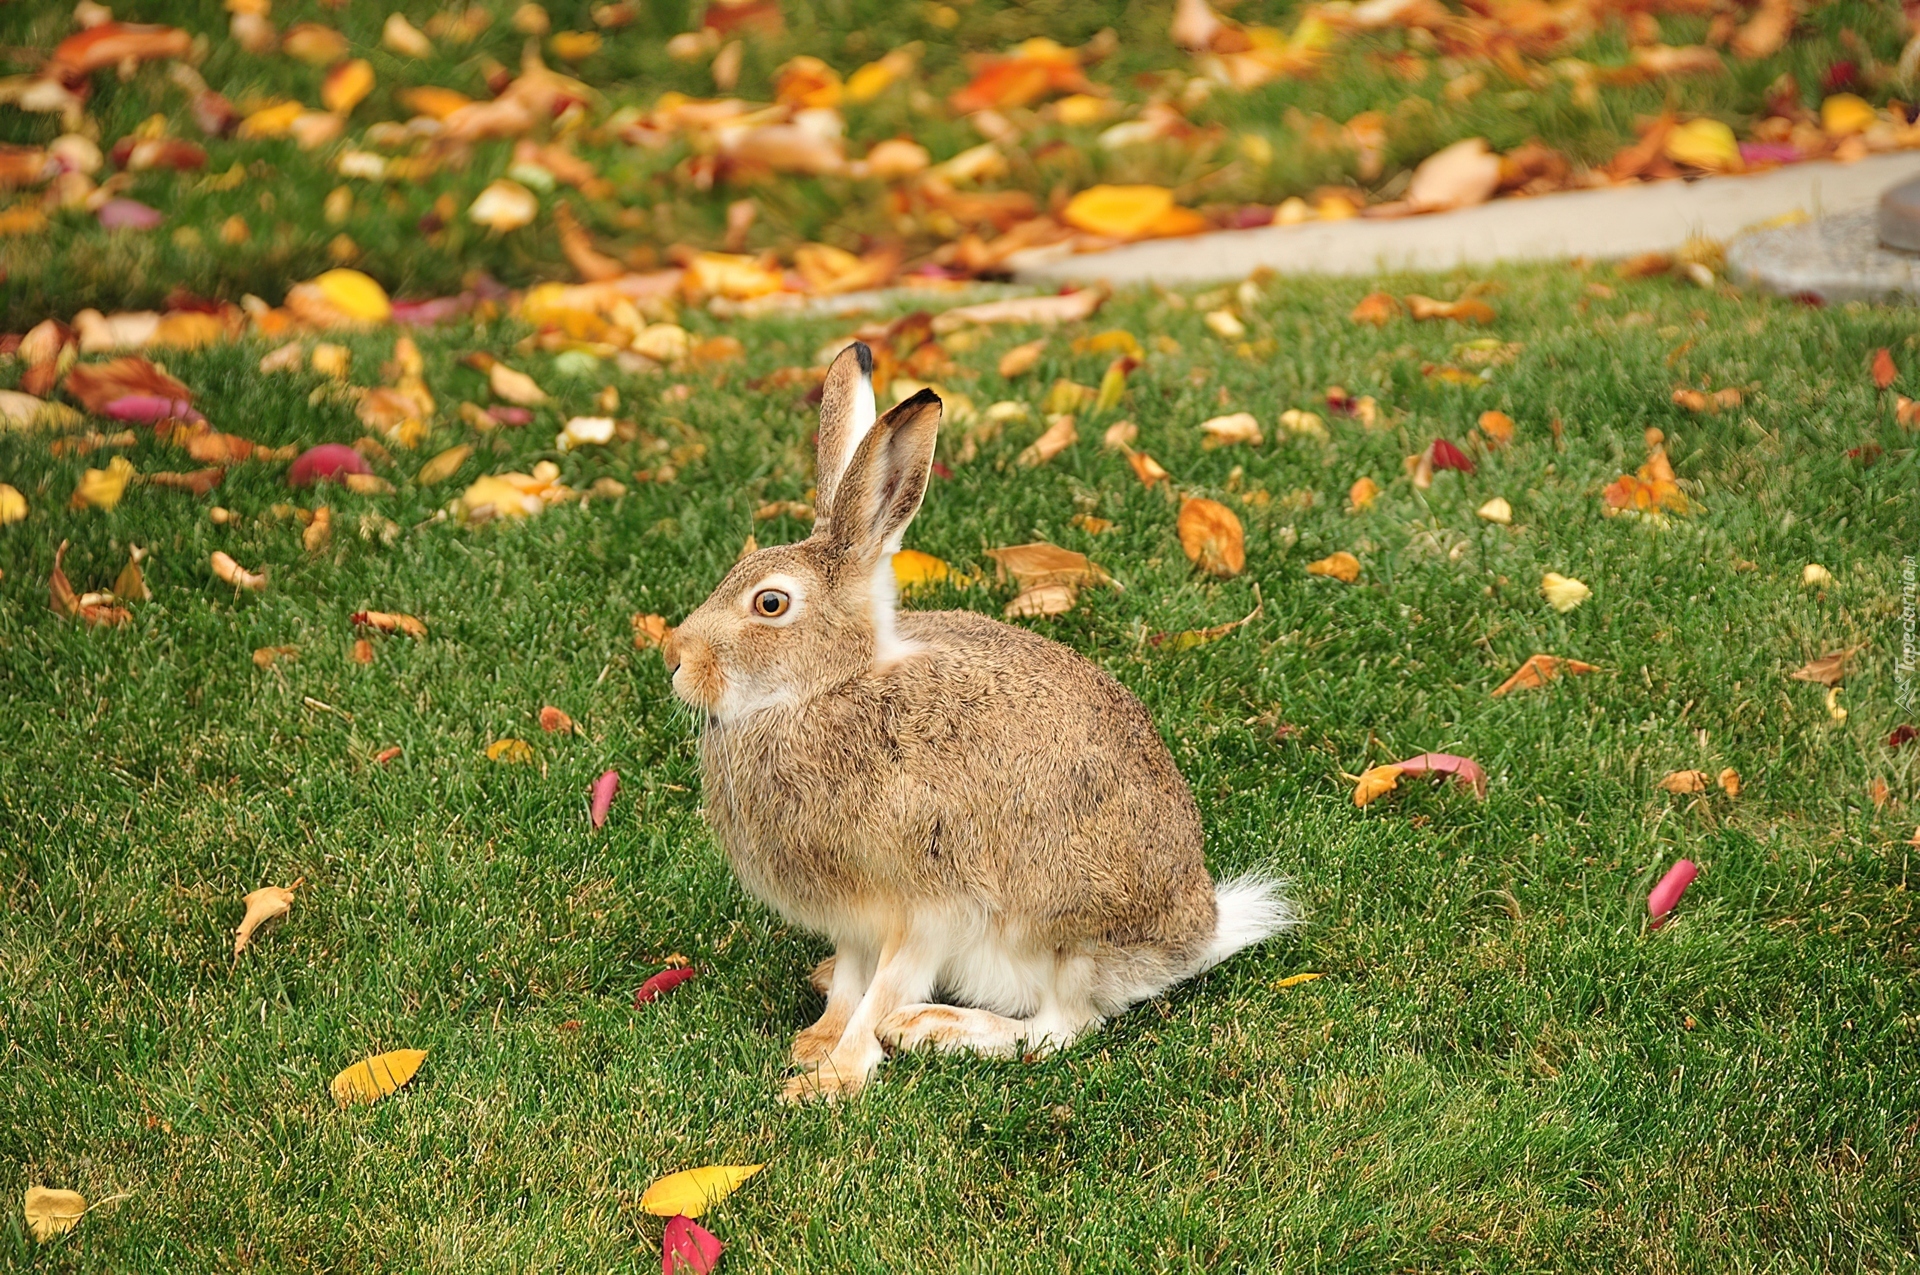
{"points": [[956, 1029]]}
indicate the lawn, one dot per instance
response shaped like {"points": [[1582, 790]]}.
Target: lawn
{"points": [[1500, 1068]]}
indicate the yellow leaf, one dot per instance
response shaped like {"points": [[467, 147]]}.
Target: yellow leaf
{"points": [[1341, 566], [574, 46], [263, 905], [1844, 114], [510, 751], [1705, 143], [1239, 427], [1563, 593], [13, 506], [347, 85], [1112, 341], [1496, 510], [50, 1213], [911, 568], [103, 488], [444, 466], [1212, 537], [504, 205], [270, 121], [372, 1079], [1294, 980], [696, 1190], [1119, 212], [1376, 782], [355, 295]]}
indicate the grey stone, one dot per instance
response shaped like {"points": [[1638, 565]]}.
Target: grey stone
{"points": [[1900, 216], [1838, 258]]}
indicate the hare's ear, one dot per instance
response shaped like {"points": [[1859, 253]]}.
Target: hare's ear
{"points": [[884, 481], [847, 413]]}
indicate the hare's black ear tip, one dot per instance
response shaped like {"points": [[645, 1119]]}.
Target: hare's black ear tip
{"points": [[925, 398], [863, 354]]}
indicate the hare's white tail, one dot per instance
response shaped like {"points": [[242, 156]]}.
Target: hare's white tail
{"points": [[1252, 908]]}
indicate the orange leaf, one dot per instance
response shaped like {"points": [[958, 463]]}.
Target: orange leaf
{"points": [[1538, 671], [1685, 781], [650, 631], [391, 622], [1465, 310], [1341, 566], [1377, 308], [1212, 537], [1376, 782], [1497, 426], [1883, 369]]}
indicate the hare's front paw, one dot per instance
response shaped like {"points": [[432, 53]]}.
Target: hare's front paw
{"points": [[816, 1042], [841, 1074]]}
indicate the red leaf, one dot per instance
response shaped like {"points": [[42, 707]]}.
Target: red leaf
{"points": [[660, 984], [1883, 369], [1464, 769], [1902, 734], [1446, 456], [688, 1248]]}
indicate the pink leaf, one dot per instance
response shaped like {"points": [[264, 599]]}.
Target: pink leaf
{"points": [[1445, 455], [435, 310], [128, 214], [1667, 894], [504, 415], [328, 460], [1464, 769], [150, 408], [688, 1248], [603, 790], [660, 984]]}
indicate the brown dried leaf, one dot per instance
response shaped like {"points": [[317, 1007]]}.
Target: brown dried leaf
{"points": [[1828, 670], [1039, 563], [1041, 600]]}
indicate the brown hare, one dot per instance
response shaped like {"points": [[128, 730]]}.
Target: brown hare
{"points": [[966, 809]]}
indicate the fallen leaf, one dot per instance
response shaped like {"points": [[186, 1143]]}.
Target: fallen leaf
{"points": [[362, 651], [391, 622], [444, 466], [346, 86], [388, 754], [1844, 114], [1878, 792], [1903, 734], [1834, 710], [1829, 670], [1465, 310], [1498, 427], [687, 1248], [1362, 494], [1212, 537], [314, 44], [13, 506], [1295, 980], [1341, 566], [1685, 781], [912, 568], [1225, 324], [1444, 455], [95, 385], [650, 631], [510, 751], [1884, 372], [372, 1079], [1239, 427], [504, 205], [1815, 576], [1464, 769], [112, 44], [663, 982], [1665, 896], [553, 719], [103, 488], [62, 600], [1021, 358], [1729, 781], [236, 575], [263, 905], [1563, 593], [1460, 176], [1146, 468], [1375, 782], [1118, 212], [1538, 671], [267, 656], [1039, 600], [50, 1212], [1377, 308], [1704, 143], [694, 1191], [402, 37], [1067, 307], [515, 387], [1040, 563], [1496, 510], [340, 298], [600, 799], [1060, 434], [318, 532], [1190, 638]]}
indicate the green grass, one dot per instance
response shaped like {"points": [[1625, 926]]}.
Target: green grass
{"points": [[658, 202], [1501, 1068]]}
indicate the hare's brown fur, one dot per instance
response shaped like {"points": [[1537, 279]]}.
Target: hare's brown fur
{"points": [[964, 807]]}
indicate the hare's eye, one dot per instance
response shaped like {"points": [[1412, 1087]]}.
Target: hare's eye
{"points": [[771, 603]]}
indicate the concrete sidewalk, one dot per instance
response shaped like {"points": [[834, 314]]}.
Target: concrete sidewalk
{"points": [[1611, 223]]}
